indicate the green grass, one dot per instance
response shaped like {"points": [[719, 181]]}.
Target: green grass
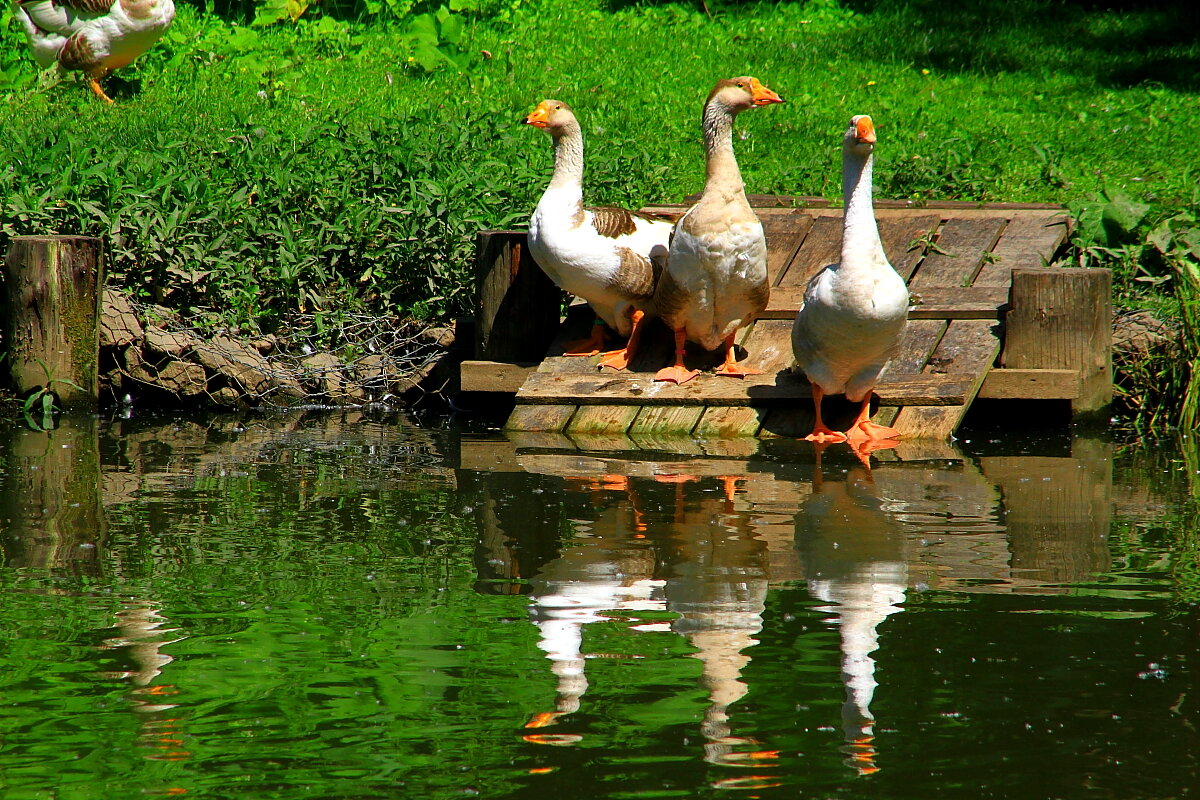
{"points": [[261, 171]]}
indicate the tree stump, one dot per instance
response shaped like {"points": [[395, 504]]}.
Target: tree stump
{"points": [[51, 317]]}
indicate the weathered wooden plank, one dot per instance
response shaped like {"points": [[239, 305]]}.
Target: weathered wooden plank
{"points": [[657, 420], [492, 376], [1062, 319], [822, 246], [726, 422], [899, 234], [768, 345], [968, 350], [708, 389], [1030, 384], [1029, 241], [543, 418], [517, 305], [958, 253], [917, 343], [807, 201], [605, 419], [784, 235], [938, 302]]}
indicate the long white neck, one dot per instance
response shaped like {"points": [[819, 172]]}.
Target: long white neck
{"points": [[860, 234], [565, 191], [721, 167]]}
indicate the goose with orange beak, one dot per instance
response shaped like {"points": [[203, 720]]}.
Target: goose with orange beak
{"points": [[854, 311], [610, 257], [716, 277]]}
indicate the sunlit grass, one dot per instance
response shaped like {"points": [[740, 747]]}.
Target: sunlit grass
{"points": [[1006, 105]]}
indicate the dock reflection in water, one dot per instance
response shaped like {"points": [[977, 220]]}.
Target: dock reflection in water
{"points": [[705, 538], [331, 604]]}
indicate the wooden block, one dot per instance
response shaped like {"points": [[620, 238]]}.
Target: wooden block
{"points": [[821, 247], [1062, 319], [1030, 241], [657, 420], [606, 419], [727, 422], [517, 305], [1030, 384], [968, 349], [493, 376], [958, 253], [542, 418], [899, 235], [636, 390]]}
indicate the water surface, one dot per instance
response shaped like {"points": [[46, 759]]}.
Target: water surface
{"points": [[324, 605]]}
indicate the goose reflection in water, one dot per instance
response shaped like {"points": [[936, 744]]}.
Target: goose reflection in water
{"points": [[608, 570], [853, 557], [693, 556]]}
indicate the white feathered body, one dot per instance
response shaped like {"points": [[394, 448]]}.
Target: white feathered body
{"points": [[849, 325], [567, 244], [854, 311], [722, 273], [96, 41]]}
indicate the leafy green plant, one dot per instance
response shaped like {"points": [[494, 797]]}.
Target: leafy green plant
{"points": [[39, 407]]}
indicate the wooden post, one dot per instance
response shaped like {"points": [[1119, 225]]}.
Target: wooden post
{"points": [[1062, 319], [517, 305], [51, 316]]}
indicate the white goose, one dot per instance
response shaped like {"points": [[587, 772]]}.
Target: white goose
{"points": [[716, 276], [608, 256], [854, 311], [92, 36]]}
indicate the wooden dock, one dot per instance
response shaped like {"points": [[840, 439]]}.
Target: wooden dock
{"points": [[990, 318]]}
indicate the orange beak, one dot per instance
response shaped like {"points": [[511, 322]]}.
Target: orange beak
{"points": [[540, 117], [866, 130], [762, 95]]}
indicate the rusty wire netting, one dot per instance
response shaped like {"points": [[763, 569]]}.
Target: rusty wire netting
{"points": [[354, 359]]}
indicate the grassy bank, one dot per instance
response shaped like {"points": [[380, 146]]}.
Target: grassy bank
{"points": [[319, 166]]}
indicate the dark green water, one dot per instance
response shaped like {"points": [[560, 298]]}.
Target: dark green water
{"points": [[329, 607]]}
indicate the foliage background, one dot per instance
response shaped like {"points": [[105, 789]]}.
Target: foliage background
{"points": [[275, 157]]}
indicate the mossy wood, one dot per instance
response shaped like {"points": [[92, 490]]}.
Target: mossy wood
{"points": [[51, 332], [959, 259]]}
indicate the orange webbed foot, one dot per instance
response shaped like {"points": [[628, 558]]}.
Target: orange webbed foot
{"points": [[823, 435], [677, 374], [615, 359], [734, 371], [866, 431]]}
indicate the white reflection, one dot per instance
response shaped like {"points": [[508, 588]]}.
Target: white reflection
{"points": [[854, 558]]}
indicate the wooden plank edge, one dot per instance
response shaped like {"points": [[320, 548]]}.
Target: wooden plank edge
{"points": [[493, 376], [758, 391], [1030, 384]]}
